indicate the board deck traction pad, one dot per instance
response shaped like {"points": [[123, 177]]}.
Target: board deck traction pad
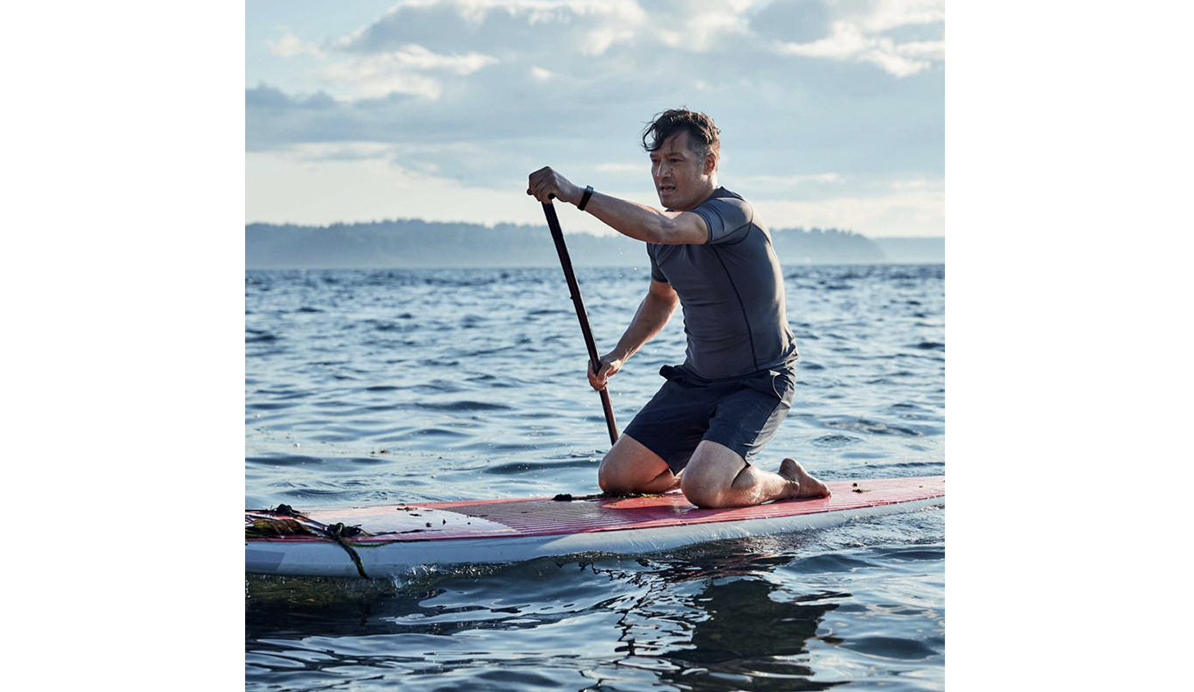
{"points": [[409, 535]]}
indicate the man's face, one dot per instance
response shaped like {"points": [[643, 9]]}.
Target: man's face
{"points": [[679, 174]]}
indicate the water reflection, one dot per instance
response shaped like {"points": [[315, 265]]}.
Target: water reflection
{"points": [[748, 640], [717, 620], [743, 631]]}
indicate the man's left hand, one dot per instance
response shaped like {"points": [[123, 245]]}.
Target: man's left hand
{"points": [[545, 183]]}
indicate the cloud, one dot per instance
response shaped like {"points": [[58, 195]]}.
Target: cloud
{"points": [[848, 42], [502, 26], [404, 70], [699, 25], [418, 57], [884, 15], [710, 46], [479, 92], [289, 46], [901, 37]]}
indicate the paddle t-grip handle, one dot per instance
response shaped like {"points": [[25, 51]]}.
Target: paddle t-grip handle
{"points": [[557, 235]]}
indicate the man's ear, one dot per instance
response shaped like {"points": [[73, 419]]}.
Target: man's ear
{"points": [[710, 163]]}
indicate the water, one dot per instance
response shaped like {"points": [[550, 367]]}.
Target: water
{"points": [[385, 386]]}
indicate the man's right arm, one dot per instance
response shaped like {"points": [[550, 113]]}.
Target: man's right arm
{"points": [[635, 220], [653, 313]]}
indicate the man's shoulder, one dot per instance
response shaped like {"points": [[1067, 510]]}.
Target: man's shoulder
{"points": [[724, 201], [725, 196], [726, 213]]}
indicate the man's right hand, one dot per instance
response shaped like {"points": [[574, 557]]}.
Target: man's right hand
{"points": [[609, 366], [545, 183]]}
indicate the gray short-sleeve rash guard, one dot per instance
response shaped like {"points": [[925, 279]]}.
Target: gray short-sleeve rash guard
{"points": [[731, 290]]}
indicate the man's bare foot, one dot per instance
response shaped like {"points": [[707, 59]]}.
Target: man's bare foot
{"points": [[805, 485]]}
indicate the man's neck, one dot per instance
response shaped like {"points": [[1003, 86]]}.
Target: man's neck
{"points": [[703, 196]]}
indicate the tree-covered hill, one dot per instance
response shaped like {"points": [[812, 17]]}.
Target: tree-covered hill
{"points": [[418, 243]]}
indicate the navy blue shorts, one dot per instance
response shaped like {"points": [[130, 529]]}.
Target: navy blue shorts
{"points": [[741, 413]]}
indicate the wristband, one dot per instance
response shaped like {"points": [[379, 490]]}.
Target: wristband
{"points": [[584, 199]]}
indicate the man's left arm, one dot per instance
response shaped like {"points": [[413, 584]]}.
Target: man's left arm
{"points": [[635, 220]]}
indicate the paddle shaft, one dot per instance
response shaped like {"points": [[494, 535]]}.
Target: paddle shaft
{"points": [[557, 234]]}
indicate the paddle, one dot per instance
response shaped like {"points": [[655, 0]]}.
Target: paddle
{"points": [[553, 222]]}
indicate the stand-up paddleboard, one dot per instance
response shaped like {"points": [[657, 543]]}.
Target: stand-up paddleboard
{"points": [[392, 539]]}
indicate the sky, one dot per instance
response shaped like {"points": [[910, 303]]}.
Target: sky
{"points": [[832, 112]]}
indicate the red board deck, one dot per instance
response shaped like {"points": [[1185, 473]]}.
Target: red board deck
{"points": [[397, 537]]}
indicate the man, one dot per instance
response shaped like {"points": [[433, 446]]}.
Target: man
{"points": [[710, 254]]}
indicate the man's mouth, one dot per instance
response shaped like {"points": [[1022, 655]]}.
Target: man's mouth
{"points": [[666, 189]]}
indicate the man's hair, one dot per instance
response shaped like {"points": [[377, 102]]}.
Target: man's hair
{"points": [[702, 133]]}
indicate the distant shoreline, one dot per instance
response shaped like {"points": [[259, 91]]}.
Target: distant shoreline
{"points": [[414, 243]]}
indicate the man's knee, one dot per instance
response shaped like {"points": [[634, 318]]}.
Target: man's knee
{"points": [[699, 493], [711, 475], [606, 479], [705, 490], [612, 476], [630, 467]]}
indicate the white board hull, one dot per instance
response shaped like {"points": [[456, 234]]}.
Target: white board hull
{"points": [[328, 559]]}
